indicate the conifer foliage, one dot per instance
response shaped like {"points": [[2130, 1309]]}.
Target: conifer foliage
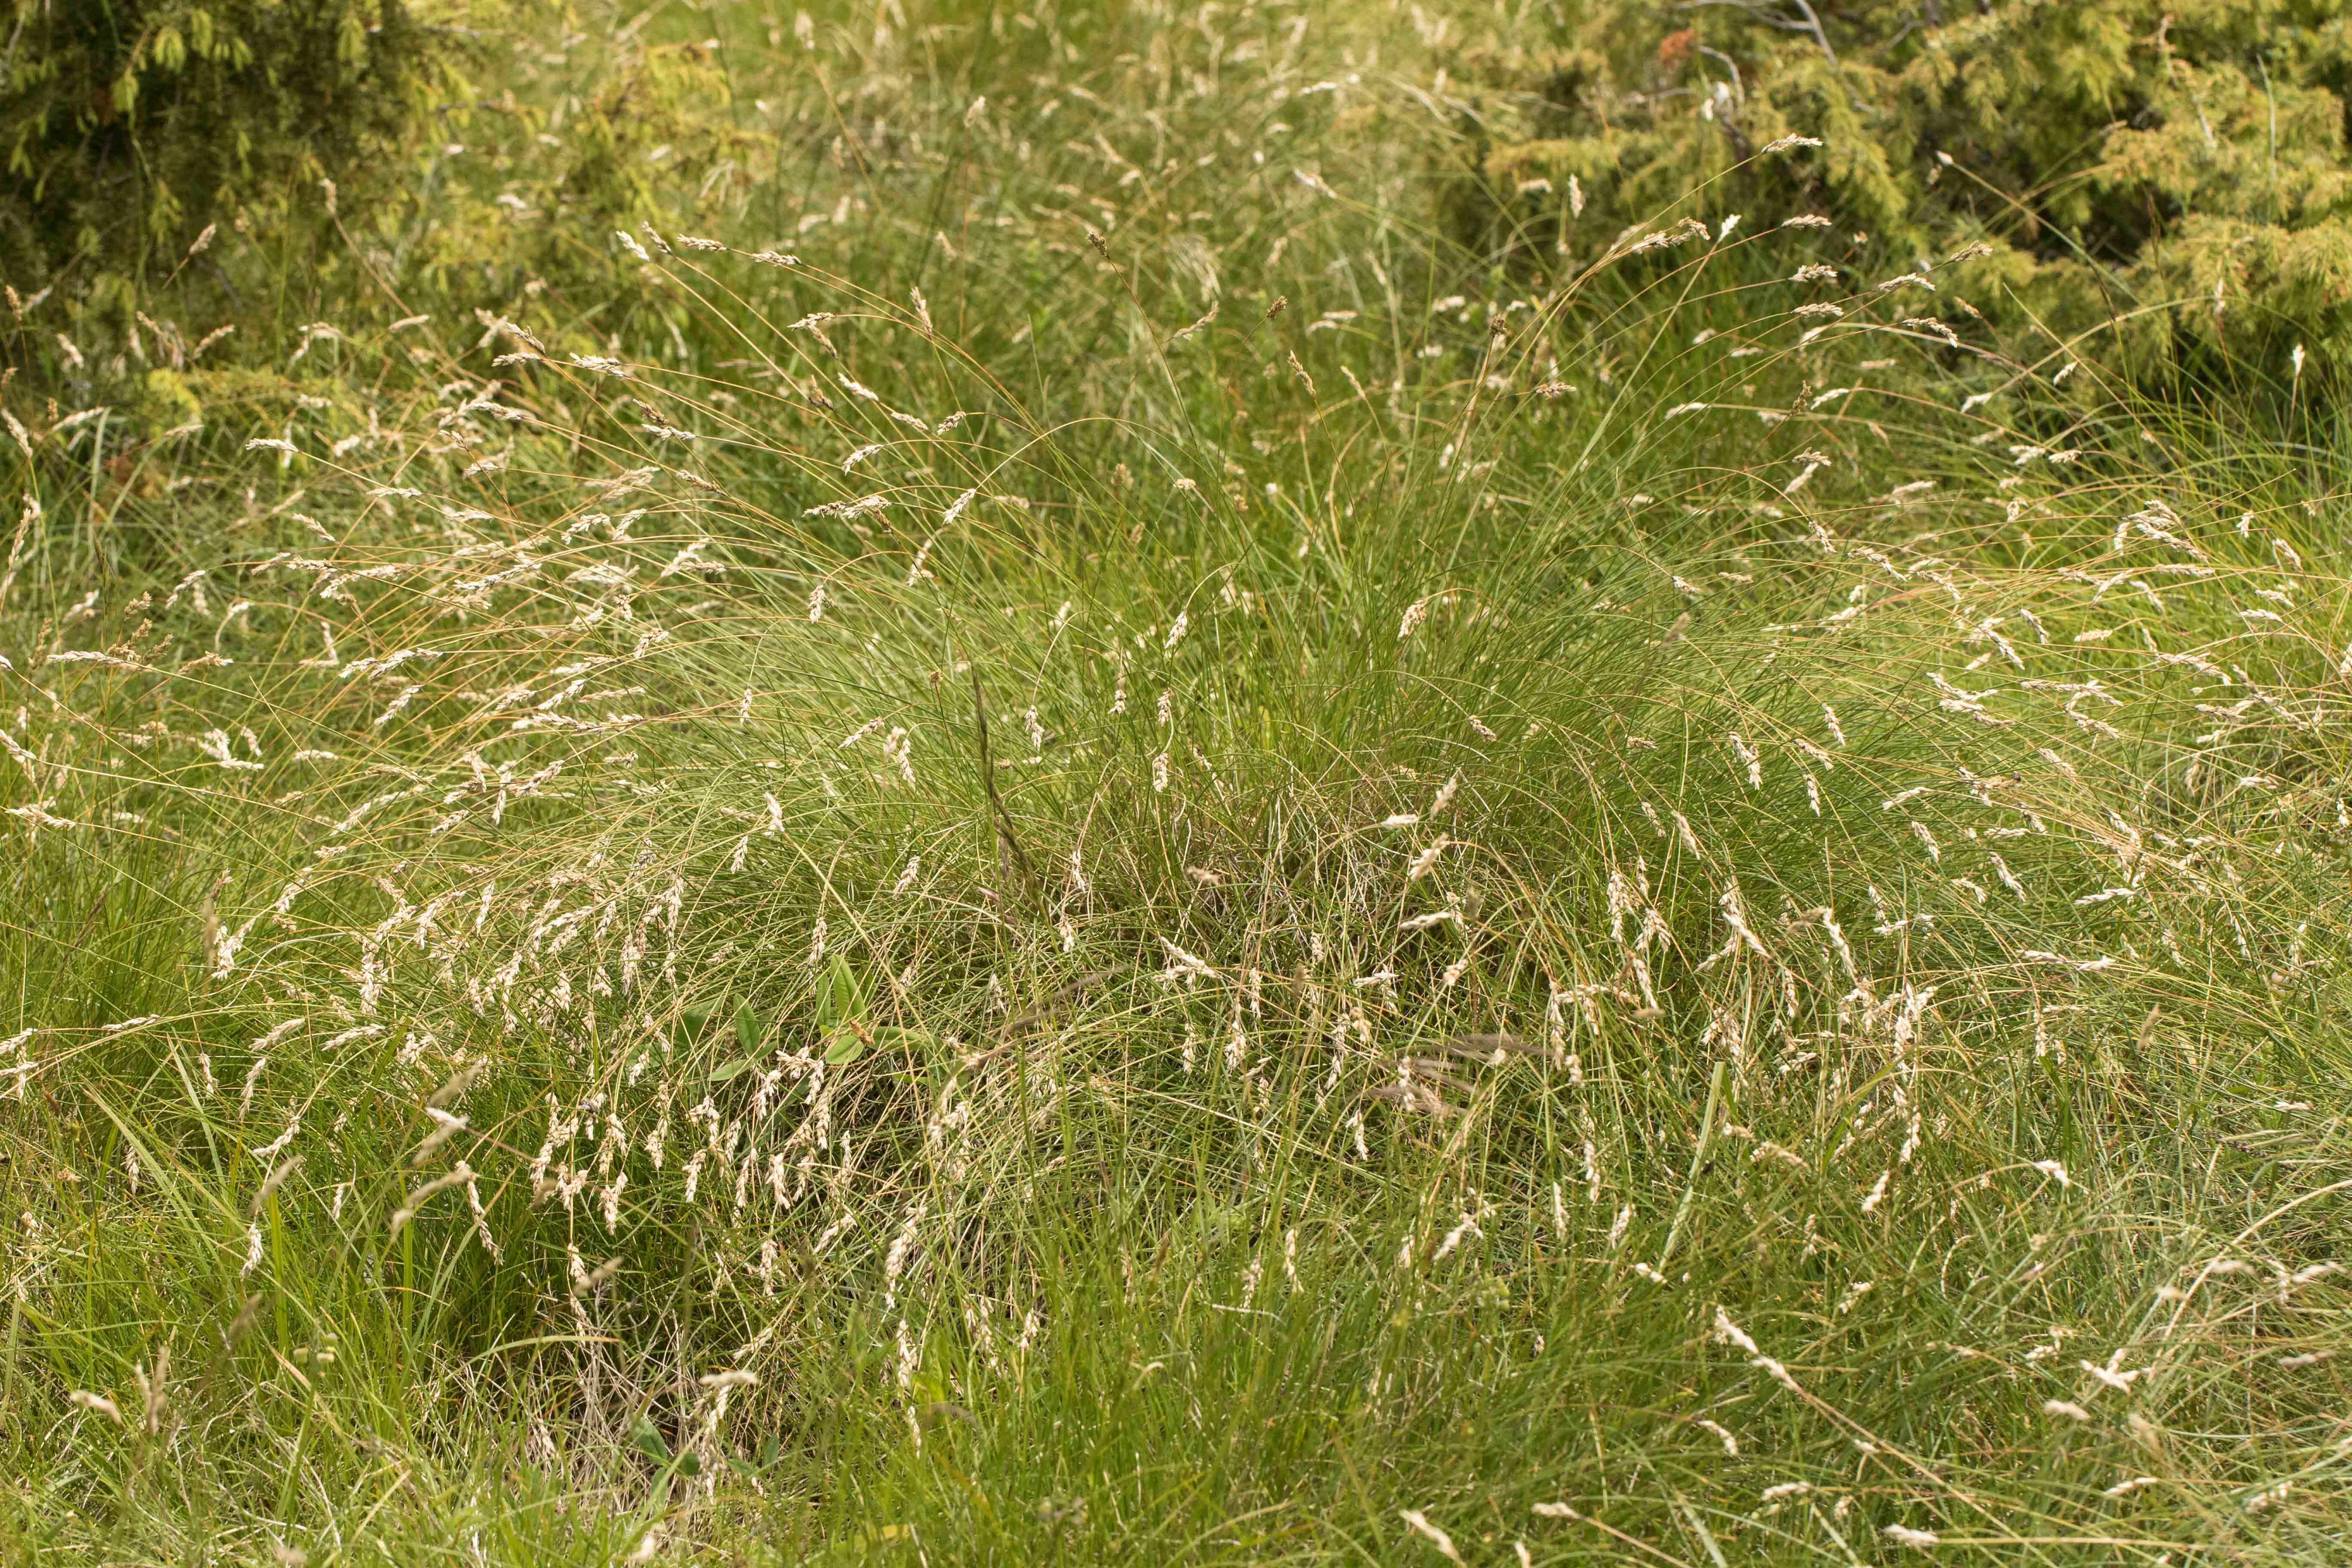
{"points": [[2177, 168], [127, 126]]}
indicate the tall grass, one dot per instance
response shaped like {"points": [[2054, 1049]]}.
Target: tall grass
{"points": [[1376, 911]]}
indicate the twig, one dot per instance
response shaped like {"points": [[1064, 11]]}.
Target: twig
{"points": [[1038, 1014], [1811, 25], [1003, 819]]}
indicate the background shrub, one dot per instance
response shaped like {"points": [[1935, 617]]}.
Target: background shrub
{"points": [[2169, 178], [128, 126]]}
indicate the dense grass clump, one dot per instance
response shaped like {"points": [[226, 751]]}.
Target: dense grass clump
{"points": [[1064, 847]]}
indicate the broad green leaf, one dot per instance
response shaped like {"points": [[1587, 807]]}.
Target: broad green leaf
{"points": [[840, 994]]}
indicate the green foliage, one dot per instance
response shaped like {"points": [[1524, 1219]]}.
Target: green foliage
{"points": [[2174, 174], [128, 127], [615, 130], [472, 168]]}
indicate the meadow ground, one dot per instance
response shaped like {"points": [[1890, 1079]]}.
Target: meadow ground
{"points": [[1056, 843]]}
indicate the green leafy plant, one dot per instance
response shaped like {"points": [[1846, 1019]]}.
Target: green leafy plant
{"points": [[129, 127], [2170, 182], [841, 1007]]}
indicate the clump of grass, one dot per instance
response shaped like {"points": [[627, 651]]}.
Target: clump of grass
{"points": [[1100, 880]]}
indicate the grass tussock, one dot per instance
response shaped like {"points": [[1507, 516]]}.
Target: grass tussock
{"points": [[1070, 850]]}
